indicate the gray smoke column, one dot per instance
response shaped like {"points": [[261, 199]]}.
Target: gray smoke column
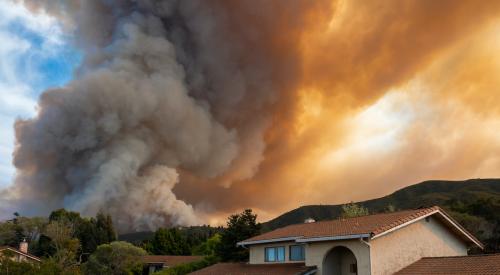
{"points": [[161, 91]]}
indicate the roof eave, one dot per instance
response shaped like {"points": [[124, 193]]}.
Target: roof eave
{"points": [[275, 240], [333, 238], [305, 240], [22, 253]]}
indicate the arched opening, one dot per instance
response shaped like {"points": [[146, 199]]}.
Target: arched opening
{"points": [[340, 261]]}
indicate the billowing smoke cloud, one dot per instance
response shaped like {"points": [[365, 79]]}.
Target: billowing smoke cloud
{"points": [[185, 110], [165, 88]]}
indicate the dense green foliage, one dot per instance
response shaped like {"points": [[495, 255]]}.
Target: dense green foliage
{"points": [[474, 203], [9, 267], [187, 268], [12, 232], [482, 217], [116, 258], [188, 239], [209, 247], [239, 227], [46, 267], [90, 232], [64, 239], [168, 242]]}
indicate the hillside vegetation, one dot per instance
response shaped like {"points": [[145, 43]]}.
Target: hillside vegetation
{"points": [[475, 203]]}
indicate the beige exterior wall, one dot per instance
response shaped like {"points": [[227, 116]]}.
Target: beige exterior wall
{"points": [[317, 251], [402, 247], [257, 253]]}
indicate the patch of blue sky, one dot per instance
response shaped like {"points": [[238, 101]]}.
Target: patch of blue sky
{"points": [[35, 54], [47, 63]]}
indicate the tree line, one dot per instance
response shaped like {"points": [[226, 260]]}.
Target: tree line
{"points": [[71, 244]]}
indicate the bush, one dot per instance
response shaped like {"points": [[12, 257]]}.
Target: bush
{"points": [[187, 268], [208, 247], [115, 258], [352, 210], [46, 267]]}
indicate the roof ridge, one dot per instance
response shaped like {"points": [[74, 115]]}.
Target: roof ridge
{"points": [[464, 256], [20, 252], [417, 213]]}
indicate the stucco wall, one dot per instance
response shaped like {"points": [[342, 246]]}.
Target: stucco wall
{"points": [[317, 251], [402, 247], [257, 253]]}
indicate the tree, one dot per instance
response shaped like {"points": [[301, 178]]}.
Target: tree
{"points": [[351, 210], [8, 234], [239, 227], [168, 242], [90, 232], [115, 258], [207, 248], [65, 245], [94, 232], [105, 230]]}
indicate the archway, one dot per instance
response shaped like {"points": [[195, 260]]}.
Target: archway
{"points": [[340, 261]]}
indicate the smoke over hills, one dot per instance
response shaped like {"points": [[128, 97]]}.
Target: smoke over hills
{"points": [[184, 109]]}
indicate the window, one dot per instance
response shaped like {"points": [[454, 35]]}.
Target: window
{"points": [[297, 253], [275, 254]]}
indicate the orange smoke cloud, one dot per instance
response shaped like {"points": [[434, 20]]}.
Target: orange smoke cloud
{"points": [[390, 94]]}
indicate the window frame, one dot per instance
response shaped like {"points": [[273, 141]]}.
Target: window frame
{"points": [[303, 252], [275, 248]]}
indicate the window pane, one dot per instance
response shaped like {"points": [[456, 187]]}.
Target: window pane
{"points": [[297, 253], [270, 254], [281, 253]]}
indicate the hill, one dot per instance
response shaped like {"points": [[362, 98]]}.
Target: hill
{"points": [[475, 203]]}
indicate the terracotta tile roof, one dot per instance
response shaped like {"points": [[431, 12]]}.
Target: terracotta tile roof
{"points": [[20, 252], [170, 260], [477, 264], [370, 225], [254, 269]]}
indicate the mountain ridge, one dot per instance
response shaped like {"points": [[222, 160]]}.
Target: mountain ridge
{"points": [[423, 194]]}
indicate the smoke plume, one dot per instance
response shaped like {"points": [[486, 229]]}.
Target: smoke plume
{"points": [[182, 111], [164, 87]]}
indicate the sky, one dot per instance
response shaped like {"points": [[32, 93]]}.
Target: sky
{"points": [[34, 55], [191, 110]]}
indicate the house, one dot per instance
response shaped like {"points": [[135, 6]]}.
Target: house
{"points": [[374, 244], [154, 263], [19, 255]]}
